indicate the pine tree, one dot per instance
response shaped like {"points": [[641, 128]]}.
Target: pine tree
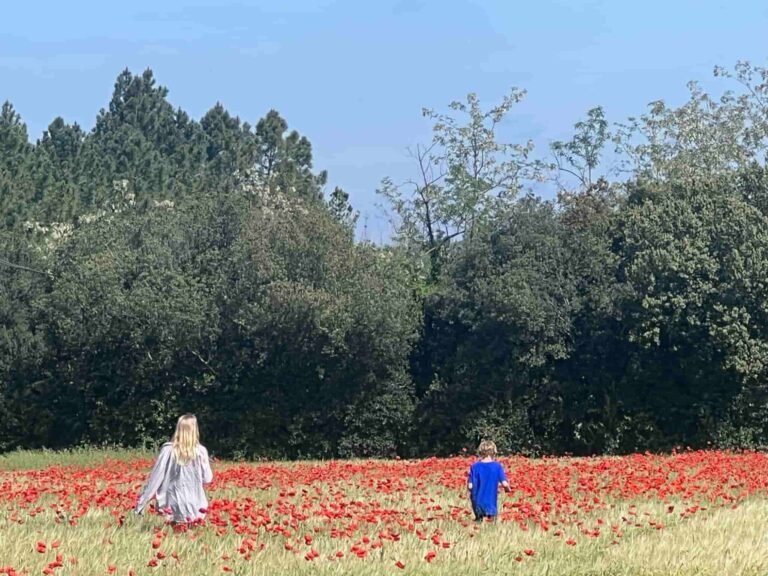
{"points": [[15, 151]]}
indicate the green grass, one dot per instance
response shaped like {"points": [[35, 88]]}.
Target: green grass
{"points": [[86, 456]]}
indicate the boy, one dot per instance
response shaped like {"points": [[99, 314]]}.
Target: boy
{"points": [[485, 475]]}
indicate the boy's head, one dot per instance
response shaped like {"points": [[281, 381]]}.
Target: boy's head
{"points": [[487, 449]]}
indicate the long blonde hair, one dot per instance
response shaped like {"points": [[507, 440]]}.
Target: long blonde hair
{"points": [[186, 439]]}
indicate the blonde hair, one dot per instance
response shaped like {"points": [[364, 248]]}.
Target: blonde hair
{"points": [[186, 439], [487, 448]]}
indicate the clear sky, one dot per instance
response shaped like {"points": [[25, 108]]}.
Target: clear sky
{"points": [[353, 75]]}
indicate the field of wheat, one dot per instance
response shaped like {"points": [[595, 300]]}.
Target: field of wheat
{"points": [[681, 514]]}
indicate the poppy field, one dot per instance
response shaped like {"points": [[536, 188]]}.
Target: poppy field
{"points": [[686, 513]]}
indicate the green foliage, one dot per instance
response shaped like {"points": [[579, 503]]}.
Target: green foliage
{"points": [[143, 151], [579, 158], [696, 261], [286, 337], [230, 145], [156, 265], [466, 178], [22, 344], [500, 318], [319, 340], [707, 136], [15, 155], [285, 159], [166, 265], [342, 210]]}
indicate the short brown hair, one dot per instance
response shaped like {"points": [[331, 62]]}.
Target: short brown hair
{"points": [[487, 448]]}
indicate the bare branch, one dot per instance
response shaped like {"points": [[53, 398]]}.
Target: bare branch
{"points": [[204, 362], [444, 240], [10, 264]]}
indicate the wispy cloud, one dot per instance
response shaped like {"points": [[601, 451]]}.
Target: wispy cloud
{"points": [[366, 156], [405, 7], [262, 48], [159, 50], [45, 65]]}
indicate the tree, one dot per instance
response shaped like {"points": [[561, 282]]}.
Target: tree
{"points": [[588, 382], [705, 137], [141, 140], [15, 152], [315, 349], [230, 143], [124, 315], [284, 159], [341, 209], [56, 172], [498, 321], [23, 279], [579, 158], [695, 258], [466, 177]]}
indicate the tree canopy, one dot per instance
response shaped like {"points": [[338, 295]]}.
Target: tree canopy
{"points": [[157, 264]]}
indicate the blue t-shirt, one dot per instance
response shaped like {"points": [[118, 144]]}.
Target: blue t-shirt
{"points": [[485, 478]]}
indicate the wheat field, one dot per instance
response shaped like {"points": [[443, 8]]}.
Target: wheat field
{"points": [[697, 513]]}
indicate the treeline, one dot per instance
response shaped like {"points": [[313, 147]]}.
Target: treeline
{"points": [[157, 264]]}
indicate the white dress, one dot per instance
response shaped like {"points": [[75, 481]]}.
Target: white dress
{"points": [[178, 487]]}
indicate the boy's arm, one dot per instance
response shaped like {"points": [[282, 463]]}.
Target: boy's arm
{"points": [[503, 480]]}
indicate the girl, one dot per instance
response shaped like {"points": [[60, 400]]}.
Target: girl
{"points": [[177, 478]]}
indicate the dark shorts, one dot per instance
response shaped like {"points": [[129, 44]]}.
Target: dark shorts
{"points": [[481, 514]]}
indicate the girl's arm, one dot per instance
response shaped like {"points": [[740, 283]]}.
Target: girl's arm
{"points": [[156, 478], [206, 464]]}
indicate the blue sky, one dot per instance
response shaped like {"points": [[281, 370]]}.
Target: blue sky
{"points": [[354, 75]]}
